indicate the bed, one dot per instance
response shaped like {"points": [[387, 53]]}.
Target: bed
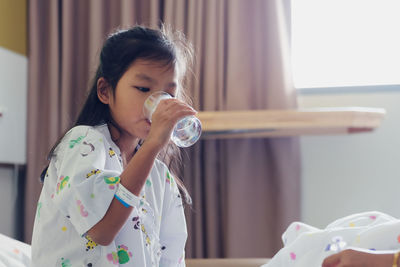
{"points": [[232, 262], [14, 253]]}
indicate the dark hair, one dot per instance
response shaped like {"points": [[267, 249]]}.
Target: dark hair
{"points": [[120, 50]]}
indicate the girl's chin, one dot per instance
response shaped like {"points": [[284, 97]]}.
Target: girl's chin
{"points": [[144, 134]]}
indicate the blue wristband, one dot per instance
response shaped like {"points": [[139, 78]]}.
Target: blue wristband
{"points": [[122, 202]]}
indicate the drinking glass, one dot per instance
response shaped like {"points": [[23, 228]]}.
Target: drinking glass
{"points": [[186, 131]]}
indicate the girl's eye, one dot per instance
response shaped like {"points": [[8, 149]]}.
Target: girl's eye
{"points": [[142, 89]]}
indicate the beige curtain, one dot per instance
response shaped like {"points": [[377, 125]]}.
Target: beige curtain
{"points": [[65, 38], [245, 191]]}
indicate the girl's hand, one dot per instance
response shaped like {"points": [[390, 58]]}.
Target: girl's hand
{"points": [[164, 118], [358, 258]]}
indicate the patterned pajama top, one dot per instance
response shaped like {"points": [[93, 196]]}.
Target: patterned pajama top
{"points": [[79, 186]]}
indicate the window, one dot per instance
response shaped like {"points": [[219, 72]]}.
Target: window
{"points": [[339, 43]]}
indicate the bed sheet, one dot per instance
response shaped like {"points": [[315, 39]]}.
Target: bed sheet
{"points": [[307, 246], [14, 253]]}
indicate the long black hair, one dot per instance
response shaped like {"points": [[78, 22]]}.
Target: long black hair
{"points": [[120, 50]]}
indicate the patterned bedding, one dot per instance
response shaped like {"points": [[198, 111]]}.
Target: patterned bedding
{"points": [[14, 253]]}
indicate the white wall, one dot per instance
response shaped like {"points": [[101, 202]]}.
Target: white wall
{"points": [[13, 105], [352, 173]]}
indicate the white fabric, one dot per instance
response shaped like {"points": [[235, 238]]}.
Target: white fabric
{"points": [[14, 253], [307, 246], [127, 197], [79, 186]]}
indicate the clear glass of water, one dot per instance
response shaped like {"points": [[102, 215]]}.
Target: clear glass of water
{"points": [[186, 131]]}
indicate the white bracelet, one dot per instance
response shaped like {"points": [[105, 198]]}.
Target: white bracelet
{"points": [[126, 196]]}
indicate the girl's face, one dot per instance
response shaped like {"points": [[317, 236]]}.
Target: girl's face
{"points": [[141, 79]]}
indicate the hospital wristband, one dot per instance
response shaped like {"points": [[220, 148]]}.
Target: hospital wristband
{"points": [[125, 196], [122, 202]]}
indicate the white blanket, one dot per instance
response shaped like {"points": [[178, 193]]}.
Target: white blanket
{"points": [[307, 246], [14, 253]]}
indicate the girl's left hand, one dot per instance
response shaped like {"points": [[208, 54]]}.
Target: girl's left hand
{"points": [[358, 258]]}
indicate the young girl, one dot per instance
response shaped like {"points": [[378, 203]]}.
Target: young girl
{"points": [[107, 200]]}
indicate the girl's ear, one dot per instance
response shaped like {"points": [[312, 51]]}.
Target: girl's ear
{"points": [[104, 91]]}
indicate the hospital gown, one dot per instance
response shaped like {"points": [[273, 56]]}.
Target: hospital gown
{"points": [[79, 186]]}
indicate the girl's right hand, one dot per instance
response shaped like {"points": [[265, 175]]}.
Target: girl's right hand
{"points": [[164, 118]]}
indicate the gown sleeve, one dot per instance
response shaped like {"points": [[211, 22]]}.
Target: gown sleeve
{"points": [[87, 177]]}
